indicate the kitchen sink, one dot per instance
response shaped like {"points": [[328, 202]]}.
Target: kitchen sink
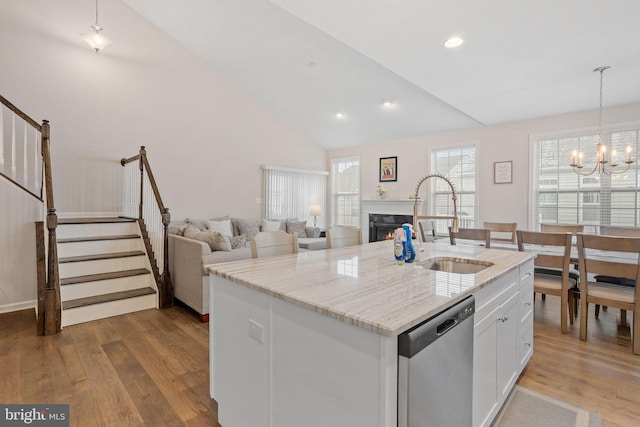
{"points": [[456, 265]]}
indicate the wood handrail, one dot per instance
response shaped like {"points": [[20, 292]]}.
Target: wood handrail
{"points": [[48, 280], [19, 113], [165, 286]]}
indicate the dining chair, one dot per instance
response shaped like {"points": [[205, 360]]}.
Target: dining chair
{"points": [[339, 236], [562, 228], [272, 243], [427, 229], [502, 231], [477, 234], [602, 255], [551, 272], [611, 230]]}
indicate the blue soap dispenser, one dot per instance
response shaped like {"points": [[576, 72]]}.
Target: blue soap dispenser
{"points": [[398, 245], [410, 253]]}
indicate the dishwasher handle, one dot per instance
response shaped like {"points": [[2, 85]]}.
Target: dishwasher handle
{"points": [[417, 338]]}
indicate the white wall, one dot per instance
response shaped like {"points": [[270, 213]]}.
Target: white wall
{"points": [[497, 202], [205, 136]]}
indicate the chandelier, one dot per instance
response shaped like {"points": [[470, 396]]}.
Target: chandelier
{"points": [[602, 166], [96, 40]]}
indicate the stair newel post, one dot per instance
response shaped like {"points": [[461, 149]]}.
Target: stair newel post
{"points": [[166, 297], [143, 154], [53, 320]]}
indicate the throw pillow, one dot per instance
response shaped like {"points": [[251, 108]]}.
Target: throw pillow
{"points": [[238, 241], [271, 225], [223, 227], [248, 227], [298, 228], [200, 224], [215, 240]]}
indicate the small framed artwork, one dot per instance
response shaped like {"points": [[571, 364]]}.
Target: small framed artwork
{"points": [[388, 169], [503, 172]]}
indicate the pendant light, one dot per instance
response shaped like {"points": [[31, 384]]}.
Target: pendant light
{"points": [[96, 39]]}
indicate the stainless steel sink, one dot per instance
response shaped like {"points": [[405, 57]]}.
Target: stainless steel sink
{"points": [[456, 265]]}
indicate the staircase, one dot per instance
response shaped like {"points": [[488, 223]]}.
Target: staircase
{"points": [[104, 269]]}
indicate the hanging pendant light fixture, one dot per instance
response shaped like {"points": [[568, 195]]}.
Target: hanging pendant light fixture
{"points": [[96, 39], [602, 166]]}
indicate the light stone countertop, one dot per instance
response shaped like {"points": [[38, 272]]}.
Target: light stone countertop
{"points": [[364, 285]]}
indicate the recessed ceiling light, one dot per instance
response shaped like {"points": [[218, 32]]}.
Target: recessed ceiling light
{"points": [[388, 104], [453, 42], [340, 115]]}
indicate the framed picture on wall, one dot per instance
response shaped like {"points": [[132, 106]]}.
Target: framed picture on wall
{"points": [[388, 169], [503, 172]]}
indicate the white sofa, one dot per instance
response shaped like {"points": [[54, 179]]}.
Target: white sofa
{"points": [[189, 256]]}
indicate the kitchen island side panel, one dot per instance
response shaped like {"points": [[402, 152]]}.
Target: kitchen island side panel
{"points": [[319, 371]]}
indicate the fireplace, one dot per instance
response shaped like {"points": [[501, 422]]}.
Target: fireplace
{"points": [[382, 226]]}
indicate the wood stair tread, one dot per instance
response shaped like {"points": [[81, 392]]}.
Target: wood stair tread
{"points": [[103, 276], [99, 238], [113, 255], [115, 296], [97, 220]]}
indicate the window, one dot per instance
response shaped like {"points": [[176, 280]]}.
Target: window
{"points": [[289, 193], [345, 191], [561, 196], [458, 164]]}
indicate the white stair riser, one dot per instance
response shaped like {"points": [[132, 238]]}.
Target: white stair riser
{"points": [[99, 247], [65, 231], [88, 313], [100, 287], [81, 268]]}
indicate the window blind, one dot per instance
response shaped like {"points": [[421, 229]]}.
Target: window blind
{"points": [[289, 193], [345, 191], [458, 164], [561, 196]]}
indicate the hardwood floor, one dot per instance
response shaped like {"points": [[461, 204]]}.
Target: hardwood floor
{"points": [[144, 368], [152, 368], [601, 375]]}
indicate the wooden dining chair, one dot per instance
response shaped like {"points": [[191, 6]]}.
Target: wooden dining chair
{"points": [[476, 234], [339, 236], [601, 255], [272, 243], [562, 228], [427, 229], [551, 273], [610, 230], [502, 231]]}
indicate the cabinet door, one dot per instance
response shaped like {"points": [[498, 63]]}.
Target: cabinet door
{"points": [[485, 396], [506, 350]]}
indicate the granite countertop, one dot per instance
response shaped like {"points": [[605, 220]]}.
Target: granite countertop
{"points": [[364, 285]]}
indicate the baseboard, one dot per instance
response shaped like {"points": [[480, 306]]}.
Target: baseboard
{"points": [[8, 308]]}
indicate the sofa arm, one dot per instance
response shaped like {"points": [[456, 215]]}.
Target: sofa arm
{"points": [[185, 266], [312, 231]]}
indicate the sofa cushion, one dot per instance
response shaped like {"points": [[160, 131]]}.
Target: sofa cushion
{"points": [[298, 227], [273, 225], [238, 241], [223, 227], [249, 227], [219, 256], [215, 240]]}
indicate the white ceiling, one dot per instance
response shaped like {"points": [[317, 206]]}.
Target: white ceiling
{"points": [[308, 59]]}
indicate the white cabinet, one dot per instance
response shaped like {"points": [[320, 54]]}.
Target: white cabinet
{"points": [[500, 330]]}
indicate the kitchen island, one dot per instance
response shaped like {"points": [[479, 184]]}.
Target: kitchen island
{"points": [[310, 339]]}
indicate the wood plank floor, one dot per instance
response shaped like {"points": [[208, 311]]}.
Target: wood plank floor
{"points": [[152, 368]]}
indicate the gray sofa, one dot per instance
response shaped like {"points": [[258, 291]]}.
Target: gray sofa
{"points": [[189, 255]]}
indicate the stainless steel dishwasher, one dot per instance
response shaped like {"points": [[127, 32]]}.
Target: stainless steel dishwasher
{"points": [[435, 370]]}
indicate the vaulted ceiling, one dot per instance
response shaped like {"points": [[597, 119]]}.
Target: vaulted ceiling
{"points": [[308, 59]]}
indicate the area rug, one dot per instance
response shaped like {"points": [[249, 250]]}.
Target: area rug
{"points": [[527, 408]]}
